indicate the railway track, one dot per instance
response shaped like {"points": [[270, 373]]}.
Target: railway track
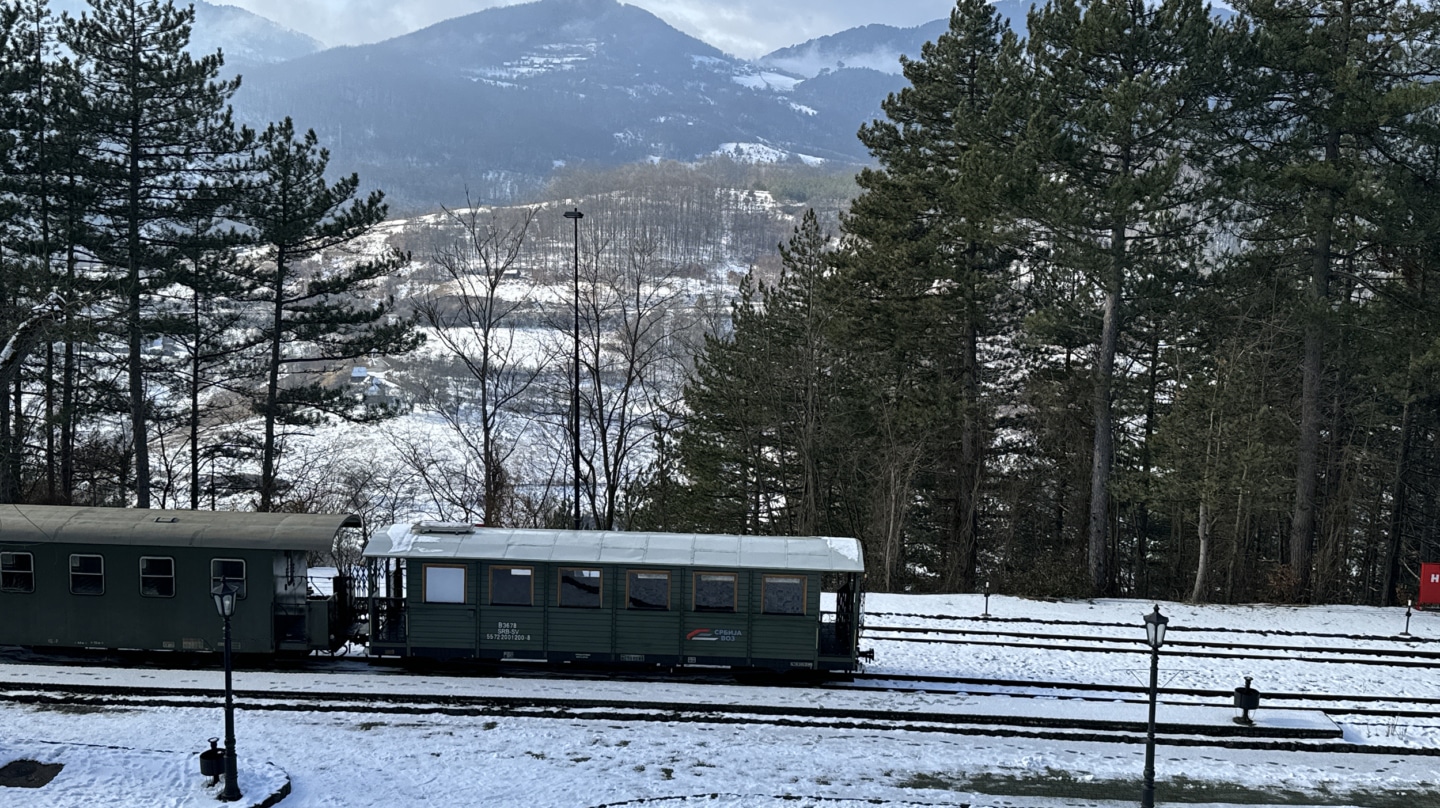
{"points": [[377, 709], [1204, 649], [1171, 630], [1331, 704]]}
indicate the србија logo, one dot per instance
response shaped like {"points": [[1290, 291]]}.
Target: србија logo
{"points": [[714, 635]]}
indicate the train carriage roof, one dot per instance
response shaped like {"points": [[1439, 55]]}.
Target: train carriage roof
{"points": [[449, 541], [58, 524]]}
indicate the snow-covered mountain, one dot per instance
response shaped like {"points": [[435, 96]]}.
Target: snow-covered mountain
{"points": [[494, 101], [871, 47], [247, 39], [490, 104]]}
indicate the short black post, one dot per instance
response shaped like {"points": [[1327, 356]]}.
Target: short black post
{"points": [[1406, 632], [986, 615]]}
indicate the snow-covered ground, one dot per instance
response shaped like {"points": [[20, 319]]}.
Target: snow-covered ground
{"points": [[146, 756]]}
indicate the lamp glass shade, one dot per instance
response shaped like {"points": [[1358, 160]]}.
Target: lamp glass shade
{"points": [[224, 594], [1155, 628]]}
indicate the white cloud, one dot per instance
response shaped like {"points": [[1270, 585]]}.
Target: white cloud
{"points": [[746, 28]]}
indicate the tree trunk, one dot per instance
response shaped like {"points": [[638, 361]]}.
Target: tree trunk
{"points": [[1202, 566], [1302, 525], [1398, 502], [272, 390], [1104, 453]]}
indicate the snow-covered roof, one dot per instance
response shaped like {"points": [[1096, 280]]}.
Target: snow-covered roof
{"points": [[439, 540], [60, 524]]}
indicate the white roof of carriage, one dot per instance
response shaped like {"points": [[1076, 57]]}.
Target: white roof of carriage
{"points": [[453, 541]]}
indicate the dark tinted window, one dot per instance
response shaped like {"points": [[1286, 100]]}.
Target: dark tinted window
{"points": [[157, 577], [512, 586], [649, 590], [579, 588], [17, 572], [228, 569], [714, 591], [784, 594], [87, 575]]}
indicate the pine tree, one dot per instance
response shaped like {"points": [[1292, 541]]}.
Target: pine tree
{"points": [[313, 311], [929, 244], [725, 445], [159, 124], [206, 319], [1122, 92], [1326, 92], [44, 181]]}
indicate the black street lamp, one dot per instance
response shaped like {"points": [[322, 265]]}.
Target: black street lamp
{"points": [[575, 216], [1154, 637], [225, 593]]}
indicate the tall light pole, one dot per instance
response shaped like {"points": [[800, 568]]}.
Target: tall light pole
{"points": [[575, 216], [224, 594], [1154, 637]]}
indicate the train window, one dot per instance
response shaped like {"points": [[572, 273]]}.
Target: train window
{"points": [[17, 572], [87, 575], [649, 590], [783, 594], [228, 569], [444, 584], [157, 577], [512, 586], [579, 588], [714, 591]]}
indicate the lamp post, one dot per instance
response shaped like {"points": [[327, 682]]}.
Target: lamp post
{"points": [[225, 593], [575, 216], [1154, 637]]}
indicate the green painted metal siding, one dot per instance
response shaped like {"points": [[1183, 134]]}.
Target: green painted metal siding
{"points": [[646, 631], [440, 625], [514, 629], [785, 636], [614, 631], [716, 634], [122, 618], [572, 629]]}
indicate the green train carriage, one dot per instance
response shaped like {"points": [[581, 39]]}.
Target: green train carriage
{"points": [[461, 591], [116, 578]]}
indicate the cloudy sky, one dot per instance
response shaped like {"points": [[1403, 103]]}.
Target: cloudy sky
{"points": [[746, 28]]}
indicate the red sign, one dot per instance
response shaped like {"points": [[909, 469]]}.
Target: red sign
{"points": [[1429, 585]]}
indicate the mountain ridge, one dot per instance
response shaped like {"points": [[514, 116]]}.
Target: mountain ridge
{"points": [[495, 100]]}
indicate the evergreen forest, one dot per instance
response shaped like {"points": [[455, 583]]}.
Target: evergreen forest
{"points": [[153, 254], [1135, 304], [1138, 305]]}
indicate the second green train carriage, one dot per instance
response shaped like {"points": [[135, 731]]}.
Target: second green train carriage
{"points": [[460, 591]]}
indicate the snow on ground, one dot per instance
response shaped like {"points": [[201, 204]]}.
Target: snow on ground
{"points": [[372, 759]]}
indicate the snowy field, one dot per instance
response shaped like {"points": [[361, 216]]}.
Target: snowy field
{"points": [[146, 756]]}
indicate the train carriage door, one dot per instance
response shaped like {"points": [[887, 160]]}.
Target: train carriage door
{"points": [[290, 593], [847, 620]]}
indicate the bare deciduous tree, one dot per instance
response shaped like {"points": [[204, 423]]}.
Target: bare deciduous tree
{"points": [[473, 316]]}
